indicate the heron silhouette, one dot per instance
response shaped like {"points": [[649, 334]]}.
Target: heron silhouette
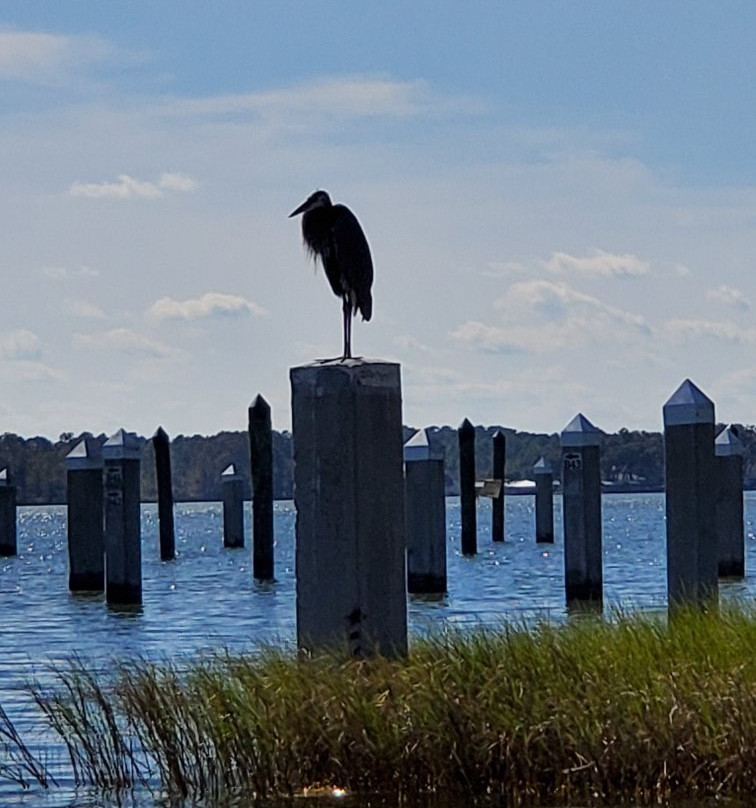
{"points": [[332, 234]]}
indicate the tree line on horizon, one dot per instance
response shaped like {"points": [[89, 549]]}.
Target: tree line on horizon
{"points": [[628, 457]]}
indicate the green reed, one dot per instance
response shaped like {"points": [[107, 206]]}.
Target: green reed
{"points": [[630, 708]]}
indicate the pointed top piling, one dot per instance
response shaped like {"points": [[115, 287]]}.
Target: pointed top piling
{"points": [[728, 444], [230, 473], [87, 454], [580, 432], [542, 466], [688, 405], [122, 445], [418, 447], [161, 436]]}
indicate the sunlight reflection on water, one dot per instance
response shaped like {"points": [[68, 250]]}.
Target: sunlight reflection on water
{"points": [[206, 599]]}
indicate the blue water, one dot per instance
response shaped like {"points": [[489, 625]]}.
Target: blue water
{"points": [[206, 598]]}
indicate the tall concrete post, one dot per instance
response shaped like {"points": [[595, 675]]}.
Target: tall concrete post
{"points": [[161, 444], [232, 491], [123, 537], [689, 467], [467, 501], [544, 501], [728, 449], [498, 508], [84, 492], [349, 496], [8, 543], [581, 504], [425, 510], [261, 465]]}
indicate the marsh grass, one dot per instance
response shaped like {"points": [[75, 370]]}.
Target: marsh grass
{"points": [[630, 708]]}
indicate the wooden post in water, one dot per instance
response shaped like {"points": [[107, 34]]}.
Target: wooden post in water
{"points": [[729, 504], [232, 488], [261, 465], [544, 501], [689, 467], [8, 544], [581, 503], [498, 508], [349, 496], [162, 446], [123, 537], [84, 493], [425, 509], [467, 503]]}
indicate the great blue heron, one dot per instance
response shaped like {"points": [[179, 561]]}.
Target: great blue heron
{"points": [[333, 234]]}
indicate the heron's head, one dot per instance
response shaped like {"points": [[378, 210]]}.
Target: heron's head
{"points": [[319, 199]]}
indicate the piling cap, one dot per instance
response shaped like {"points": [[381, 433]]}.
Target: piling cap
{"points": [[418, 448], [229, 473], [542, 466], [122, 446], [87, 454], [580, 432], [728, 444], [688, 405]]}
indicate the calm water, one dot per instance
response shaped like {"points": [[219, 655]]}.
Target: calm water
{"points": [[206, 599]]}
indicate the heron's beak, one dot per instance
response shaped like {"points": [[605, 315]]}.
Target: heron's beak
{"points": [[300, 209]]}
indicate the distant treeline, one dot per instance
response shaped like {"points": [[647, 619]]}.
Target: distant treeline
{"points": [[36, 465]]}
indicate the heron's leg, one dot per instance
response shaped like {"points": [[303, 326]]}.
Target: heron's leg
{"points": [[347, 311]]}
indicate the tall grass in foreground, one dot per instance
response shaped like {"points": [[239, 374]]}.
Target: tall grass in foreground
{"points": [[626, 709]]}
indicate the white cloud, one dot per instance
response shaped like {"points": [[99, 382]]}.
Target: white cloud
{"points": [[126, 341], [126, 187], [84, 308], [37, 57], [61, 273], [599, 263], [722, 331], [729, 297], [340, 97], [211, 304], [545, 316], [22, 344]]}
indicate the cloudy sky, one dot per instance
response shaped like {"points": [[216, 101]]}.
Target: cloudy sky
{"points": [[560, 199]]}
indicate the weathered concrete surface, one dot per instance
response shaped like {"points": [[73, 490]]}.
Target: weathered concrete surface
{"points": [[349, 496], [123, 539], [689, 467], [425, 506], [581, 502], [86, 548], [730, 526], [232, 491]]}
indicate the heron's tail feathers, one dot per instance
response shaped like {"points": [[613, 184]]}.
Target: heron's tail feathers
{"points": [[366, 307]]}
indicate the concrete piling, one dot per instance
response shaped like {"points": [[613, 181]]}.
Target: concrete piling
{"points": [[162, 446], [425, 517], [467, 500], [261, 465], [84, 493], [349, 496], [498, 508], [690, 471], [232, 488], [123, 539], [581, 503], [8, 542], [728, 449], [544, 501]]}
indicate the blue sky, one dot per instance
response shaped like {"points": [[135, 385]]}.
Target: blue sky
{"points": [[560, 200]]}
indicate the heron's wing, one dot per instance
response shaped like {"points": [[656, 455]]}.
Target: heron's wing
{"points": [[351, 256]]}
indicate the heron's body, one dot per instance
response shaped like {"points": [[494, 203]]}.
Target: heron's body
{"points": [[333, 235]]}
